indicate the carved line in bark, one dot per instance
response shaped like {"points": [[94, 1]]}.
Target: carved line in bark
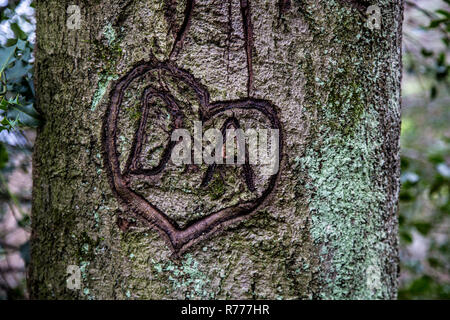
{"points": [[181, 34], [170, 8], [248, 171], [246, 24], [248, 39]]}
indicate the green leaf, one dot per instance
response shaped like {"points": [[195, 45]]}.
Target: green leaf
{"points": [[434, 262], [4, 104], [18, 71], [3, 156], [25, 252], [18, 31], [436, 157], [435, 23], [21, 44], [444, 13], [426, 53], [421, 285], [406, 237], [441, 59], [446, 41], [433, 92], [26, 115], [423, 227], [6, 55], [25, 222]]}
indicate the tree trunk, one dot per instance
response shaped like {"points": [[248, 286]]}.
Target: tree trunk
{"points": [[109, 201]]}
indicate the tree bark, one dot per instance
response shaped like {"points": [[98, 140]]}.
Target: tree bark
{"points": [[143, 228]]}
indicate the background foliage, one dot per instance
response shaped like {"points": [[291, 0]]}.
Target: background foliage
{"points": [[425, 142], [17, 114], [424, 198]]}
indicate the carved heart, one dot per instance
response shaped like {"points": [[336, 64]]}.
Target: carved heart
{"points": [[179, 239]]}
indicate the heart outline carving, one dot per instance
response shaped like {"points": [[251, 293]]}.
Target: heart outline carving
{"points": [[178, 239]]}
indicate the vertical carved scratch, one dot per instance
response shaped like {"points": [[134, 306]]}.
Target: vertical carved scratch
{"points": [[229, 33], [248, 38], [181, 34], [283, 6], [170, 8]]}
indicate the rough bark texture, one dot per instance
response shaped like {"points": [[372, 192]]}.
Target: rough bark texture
{"points": [[329, 228]]}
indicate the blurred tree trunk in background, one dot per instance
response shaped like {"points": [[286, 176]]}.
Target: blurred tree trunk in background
{"points": [[328, 230]]}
